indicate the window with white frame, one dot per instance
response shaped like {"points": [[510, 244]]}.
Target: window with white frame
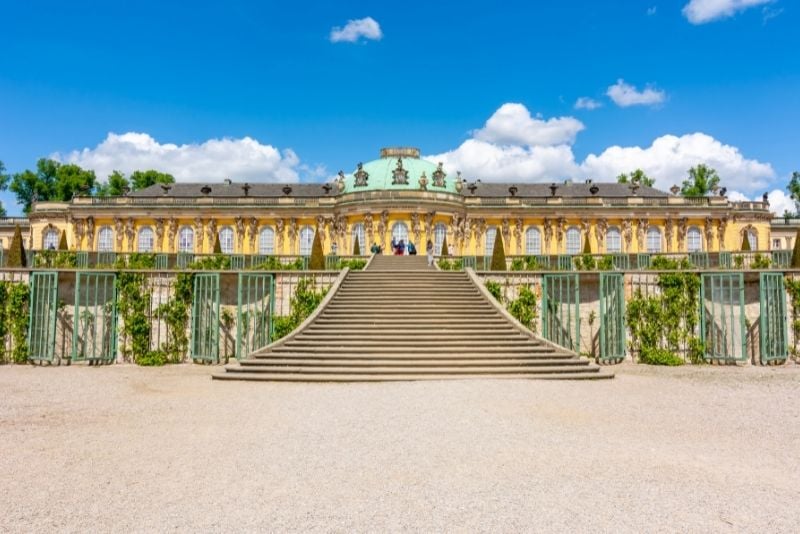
{"points": [[226, 240], [533, 241], [573, 241], [50, 241], [146, 239], [653, 240], [694, 240], [400, 231], [306, 240], [776, 244], [752, 237], [186, 239], [491, 234], [439, 233], [358, 233], [613, 240], [105, 239], [266, 241]]}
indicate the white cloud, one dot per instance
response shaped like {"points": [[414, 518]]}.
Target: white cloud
{"points": [[779, 201], [368, 28], [512, 124], [625, 95], [703, 11], [652, 10], [242, 159], [585, 102]]}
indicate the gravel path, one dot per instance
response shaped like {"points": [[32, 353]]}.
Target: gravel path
{"points": [[123, 448]]}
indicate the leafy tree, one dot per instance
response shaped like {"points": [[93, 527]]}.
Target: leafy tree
{"points": [[143, 179], [796, 251], [498, 254], [51, 181], [794, 191], [16, 252], [3, 185], [701, 182], [317, 261], [636, 177], [62, 244], [72, 180], [117, 185]]}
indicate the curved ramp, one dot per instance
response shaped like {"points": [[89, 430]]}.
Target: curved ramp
{"points": [[400, 320]]}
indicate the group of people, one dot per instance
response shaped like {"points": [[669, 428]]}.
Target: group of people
{"points": [[400, 248]]}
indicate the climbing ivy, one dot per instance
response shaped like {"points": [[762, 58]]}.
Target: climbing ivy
{"points": [[302, 304], [3, 319], [793, 288], [133, 306], [495, 290], [17, 320], [524, 308]]}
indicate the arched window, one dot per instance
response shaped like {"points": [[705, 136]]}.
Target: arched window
{"points": [[573, 241], [50, 241], [186, 239], [533, 241], [752, 237], [358, 233], [653, 240], [491, 234], [266, 241], [226, 240], [105, 239], [439, 232], [145, 239], [694, 240], [613, 241], [400, 231], [306, 240]]}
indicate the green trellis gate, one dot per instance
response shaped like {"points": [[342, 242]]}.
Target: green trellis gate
{"points": [[43, 307], [205, 318], [560, 309], [255, 305], [722, 318], [773, 321], [612, 316], [94, 332]]}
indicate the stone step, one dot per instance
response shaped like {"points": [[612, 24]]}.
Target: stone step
{"points": [[344, 378], [420, 355], [394, 335], [434, 321], [421, 370], [409, 342], [438, 362], [377, 349]]}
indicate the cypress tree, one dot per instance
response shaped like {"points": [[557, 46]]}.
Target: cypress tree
{"points": [[445, 252], [317, 261], [587, 247], [796, 252], [356, 248], [62, 244], [746, 242], [217, 246], [16, 252], [498, 254]]}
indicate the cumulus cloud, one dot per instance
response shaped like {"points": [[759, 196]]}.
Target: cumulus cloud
{"points": [[512, 124], [368, 28], [779, 201], [625, 95], [585, 102], [242, 159], [703, 11]]}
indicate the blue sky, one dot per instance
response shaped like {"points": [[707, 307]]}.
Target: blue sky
{"points": [[723, 76]]}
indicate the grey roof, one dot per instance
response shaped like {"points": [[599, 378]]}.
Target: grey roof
{"points": [[192, 190], [569, 190]]}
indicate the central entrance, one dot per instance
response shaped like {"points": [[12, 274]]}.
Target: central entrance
{"points": [[400, 231]]}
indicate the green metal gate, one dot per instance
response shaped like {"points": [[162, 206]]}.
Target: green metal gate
{"points": [[722, 325], [560, 309], [773, 323], [612, 316], [94, 330], [43, 307], [205, 318], [255, 305]]}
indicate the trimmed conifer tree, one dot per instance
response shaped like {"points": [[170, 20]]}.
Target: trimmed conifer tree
{"points": [[587, 247], [746, 242], [16, 252], [498, 254], [445, 252], [796, 252], [217, 246], [356, 248], [317, 261], [62, 244]]}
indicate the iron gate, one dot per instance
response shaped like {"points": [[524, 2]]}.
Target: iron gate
{"points": [[560, 309], [612, 316], [94, 330], [773, 321], [205, 318], [255, 304], [43, 307], [722, 325]]}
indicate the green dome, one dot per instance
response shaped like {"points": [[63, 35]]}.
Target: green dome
{"points": [[380, 173]]}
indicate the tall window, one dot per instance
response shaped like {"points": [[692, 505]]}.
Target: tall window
{"points": [[50, 241], [145, 239], [752, 236], [400, 231], [694, 240], [358, 233], [186, 239], [613, 241], [653, 240], [105, 239], [266, 241], [226, 240], [306, 240], [533, 241], [439, 232], [573, 241], [491, 234]]}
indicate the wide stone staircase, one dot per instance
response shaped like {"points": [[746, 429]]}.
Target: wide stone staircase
{"points": [[402, 320]]}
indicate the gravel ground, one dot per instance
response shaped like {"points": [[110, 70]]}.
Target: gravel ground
{"points": [[123, 448]]}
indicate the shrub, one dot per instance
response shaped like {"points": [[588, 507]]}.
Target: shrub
{"points": [[62, 244], [760, 262], [523, 308], [317, 261], [606, 263], [796, 251], [495, 290], [217, 245], [305, 300], [498, 254], [656, 356], [16, 251]]}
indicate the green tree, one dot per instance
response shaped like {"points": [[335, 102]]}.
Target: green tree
{"points": [[217, 246], [498, 254], [701, 182], [637, 177], [794, 191], [317, 261], [356, 248], [444, 252], [117, 185], [16, 252], [746, 242], [72, 180], [143, 179], [796, 251], [51, 181], [3, 186], [62, 244]]}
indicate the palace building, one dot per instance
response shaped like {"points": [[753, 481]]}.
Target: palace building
{"points": [[402, 196]]}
